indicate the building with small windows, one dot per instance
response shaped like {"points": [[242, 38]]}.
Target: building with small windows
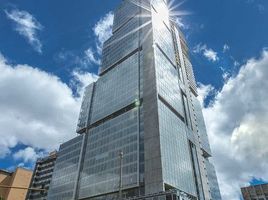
{"points": [[145, 105], [42, 177], [255, 192]]}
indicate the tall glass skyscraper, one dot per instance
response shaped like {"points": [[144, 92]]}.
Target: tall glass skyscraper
{"points": [[145, 105]]}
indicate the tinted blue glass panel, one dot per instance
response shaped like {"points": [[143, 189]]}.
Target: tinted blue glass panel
{"points": [[116, 89], [202, 131], [190, 74], [122, 43], [85, 108], [161, 33], [100, 173], [124, 13], [176, 160], [65, 173], [168, 82], [213, 182]]}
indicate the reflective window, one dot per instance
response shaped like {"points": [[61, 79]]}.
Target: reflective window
{"points": [[100, 173], [124, 12], [161, 33], [167, 82], [160, 6], [187, 113], [66, 170], [84, 112], [122, 43], [141, 146], [202, 131], [176, 160], [190, 73], [213, 182], [198, 181], [116, 89]]}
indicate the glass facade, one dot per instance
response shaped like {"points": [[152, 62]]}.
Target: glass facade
{"points": [[213, 182], [124, 13], [116, 89], [121, 44], [176, 161], [202, 131], [100, 173], [161, 32], [143, 104], [63, 184], [161, 8], [197, 173], [190, 74], [85, 107], [168, 82]]}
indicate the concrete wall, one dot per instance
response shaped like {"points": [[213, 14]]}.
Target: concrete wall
{"points": [[5, 179], [20, 178]]}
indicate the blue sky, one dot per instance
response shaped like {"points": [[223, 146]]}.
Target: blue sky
{"points": [[49, 50]]}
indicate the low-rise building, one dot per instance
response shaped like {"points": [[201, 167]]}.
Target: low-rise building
{"points": [[255, 192], [14, 184]]}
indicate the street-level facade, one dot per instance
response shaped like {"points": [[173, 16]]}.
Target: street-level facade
{"points": [[145, 105]]}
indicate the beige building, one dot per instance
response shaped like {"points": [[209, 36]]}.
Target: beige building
{"points": [[20, 178]]}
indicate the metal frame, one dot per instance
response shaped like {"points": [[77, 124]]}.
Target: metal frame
{"points": [[175, 195]]}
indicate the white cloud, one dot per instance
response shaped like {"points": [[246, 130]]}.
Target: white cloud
{"points": [[37, 108], [21, 164], [204, 91], [226, 75], [181, 24], [209, 53], [90, 57], [236, 63], [27, 26], [85, 61], [225, 47], [261, 8], [27, 155], [82, 79], [237, 127], [103, 29], [199, 48], [257, 5]]}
